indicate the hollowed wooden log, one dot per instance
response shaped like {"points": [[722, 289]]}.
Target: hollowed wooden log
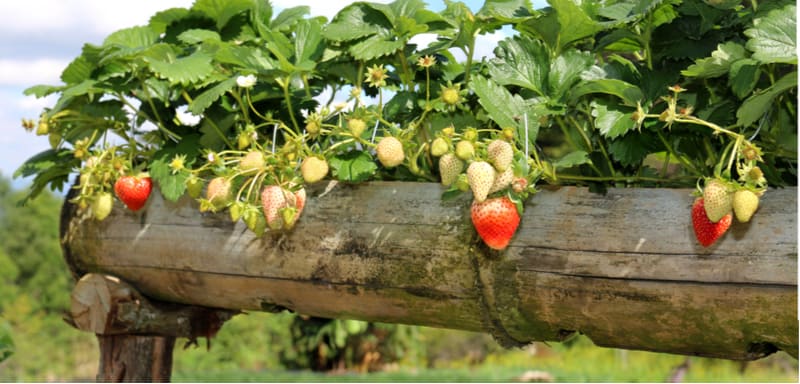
{"points": [[623, 268]]}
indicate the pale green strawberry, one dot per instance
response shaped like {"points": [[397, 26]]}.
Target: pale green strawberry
{"points": [[356, 126], [717, 199], [194, 186], [439, 147], [449, 168], [745, 204], [480, 175], [102, 204], [465, 150]]}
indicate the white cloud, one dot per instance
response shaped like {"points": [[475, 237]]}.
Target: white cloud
{"points": [[98, 17], [24, 73], [327, 8]]}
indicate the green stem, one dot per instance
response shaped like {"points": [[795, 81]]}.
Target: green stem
{"points": [[672, 152], [408, 79], [285, 85], [210, 122], [469, 53], [244, 107], [159, 122]]}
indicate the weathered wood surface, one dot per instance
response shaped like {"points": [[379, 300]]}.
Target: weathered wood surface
{"points": [[106, 305], [623, 268], [135, 359]]}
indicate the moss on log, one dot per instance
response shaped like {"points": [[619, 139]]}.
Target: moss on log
{"points": [[623, 268]]}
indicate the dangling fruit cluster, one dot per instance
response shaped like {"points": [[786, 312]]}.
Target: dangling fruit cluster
{"points": [[498, 175]]}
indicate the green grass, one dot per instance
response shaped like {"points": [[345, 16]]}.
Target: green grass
{"points": [[579, 361]]}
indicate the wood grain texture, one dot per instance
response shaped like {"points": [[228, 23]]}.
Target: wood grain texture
{"points": [[623, 268]]}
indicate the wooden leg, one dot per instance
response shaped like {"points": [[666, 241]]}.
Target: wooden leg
{"points": [[129, 358], [136, 335]]}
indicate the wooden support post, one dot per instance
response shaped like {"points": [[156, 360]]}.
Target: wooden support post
{"points": [[136, 336], [129, 358]]}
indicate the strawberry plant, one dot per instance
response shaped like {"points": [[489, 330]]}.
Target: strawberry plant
{"points": [[249, 105]]}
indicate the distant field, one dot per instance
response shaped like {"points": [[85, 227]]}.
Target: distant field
{"points": [[578, 362]]}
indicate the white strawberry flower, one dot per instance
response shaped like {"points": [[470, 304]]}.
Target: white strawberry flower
{"points": [[246, 81], [185, 117]]}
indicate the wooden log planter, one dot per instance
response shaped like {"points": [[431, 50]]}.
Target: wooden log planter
{"points": [[623, 268]]}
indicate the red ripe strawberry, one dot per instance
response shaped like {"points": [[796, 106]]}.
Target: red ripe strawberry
{"points": [[133, 190], [496, 221], [706, 231]]}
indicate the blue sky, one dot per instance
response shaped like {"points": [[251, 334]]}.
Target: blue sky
{"points": [[38, 38]]}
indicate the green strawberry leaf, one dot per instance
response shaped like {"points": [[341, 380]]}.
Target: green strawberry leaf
{"points": [[308, 41], [631, 150], [565, 71], [521, 61], [172, 185], [374, 48], [503, 107], [353, 166], [289, 17], [629, 93], [743, 76], [77, 71], [773, 38], [759, 103], [134, 37], [611, 121], [221, 11], [196, 36], [572, 159], [563, 24], [353, 22], [211, 95], [185, 70], [719, 63], [41, 90]]}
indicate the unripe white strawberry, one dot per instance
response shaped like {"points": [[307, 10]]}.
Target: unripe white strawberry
{"points": [[502, 180], [449, 168], [480, 175], [314, 169], [500, 154], [745, 204], [390, 152], [218, 192], [252, 162], [717, 199]]}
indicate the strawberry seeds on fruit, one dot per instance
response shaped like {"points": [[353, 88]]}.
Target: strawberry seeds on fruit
{"points": [[134, 191]]}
